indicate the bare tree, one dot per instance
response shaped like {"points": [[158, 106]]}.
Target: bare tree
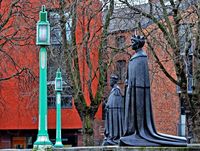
{"points": [[12, 35], [195, 100], [175, 30], [16, 62], [83, 54]]}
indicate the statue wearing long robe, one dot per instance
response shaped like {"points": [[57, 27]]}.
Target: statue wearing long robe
{"points": [[139, 128], [114, 117]]}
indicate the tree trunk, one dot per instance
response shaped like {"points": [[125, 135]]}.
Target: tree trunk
{"points": [[195, 116], [88, 132], [196, 129], [196, 92], [196, 89]]}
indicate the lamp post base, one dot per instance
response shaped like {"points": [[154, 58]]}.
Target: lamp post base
{"points": [[58, 144], [42, 141]]}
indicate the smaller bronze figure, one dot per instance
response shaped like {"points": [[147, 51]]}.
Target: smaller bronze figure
{"points": [[114, 114]]}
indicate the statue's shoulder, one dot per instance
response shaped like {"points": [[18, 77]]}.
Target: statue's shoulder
{"points": [[117, 90], [139, 54]]}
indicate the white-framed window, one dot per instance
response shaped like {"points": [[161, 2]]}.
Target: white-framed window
{"points": [[56, 60], [138, 2], [120, 42], [68, 27], [185, 40], [167, 2], [121, 69], [56, 37], [119, 4]]}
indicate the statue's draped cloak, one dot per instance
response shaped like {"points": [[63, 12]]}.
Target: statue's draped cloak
{"points": [[114, 117], [139, 128]]}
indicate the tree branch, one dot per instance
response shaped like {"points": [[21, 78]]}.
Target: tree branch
{"points": [[14, 75]]}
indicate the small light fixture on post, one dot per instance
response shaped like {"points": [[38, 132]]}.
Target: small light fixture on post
{"points": [[58, 89], [43, 40]]}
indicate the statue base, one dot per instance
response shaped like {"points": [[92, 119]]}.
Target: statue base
{"points": [[135, 140]]}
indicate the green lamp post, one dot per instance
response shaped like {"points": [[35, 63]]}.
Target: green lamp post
{"points": [[58, 89], [43, 40]]}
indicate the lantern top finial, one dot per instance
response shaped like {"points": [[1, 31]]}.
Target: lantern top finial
{"points": [[43, 8], [43, 14], [58, 73]]}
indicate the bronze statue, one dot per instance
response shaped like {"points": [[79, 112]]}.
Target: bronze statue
{"points": [[114, 114], [139, 128]]}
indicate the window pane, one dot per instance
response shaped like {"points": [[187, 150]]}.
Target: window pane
{"points": [[185, 41], [68, 27], [56, 59], [120, 42], [137, 2], [56, 37], [167, 2], [119, 4], [121, 69], [190, 85]]}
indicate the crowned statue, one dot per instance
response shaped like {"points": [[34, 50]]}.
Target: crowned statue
{"points": [[138, 127]]}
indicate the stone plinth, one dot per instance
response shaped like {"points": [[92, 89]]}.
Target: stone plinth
{"points": [[116, 148], [190, 147]]}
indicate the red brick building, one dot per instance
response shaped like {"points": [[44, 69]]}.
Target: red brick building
{"points": [[19, 95]]}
